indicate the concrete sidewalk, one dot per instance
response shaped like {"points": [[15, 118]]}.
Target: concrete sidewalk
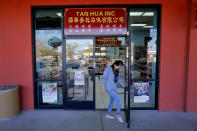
{"points": [[80, 120]]}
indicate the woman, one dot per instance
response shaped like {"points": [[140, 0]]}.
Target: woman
{"points": [[111, 77]]}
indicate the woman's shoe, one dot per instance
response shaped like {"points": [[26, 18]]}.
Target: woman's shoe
{"points": [[119, 118], [109, 116]]}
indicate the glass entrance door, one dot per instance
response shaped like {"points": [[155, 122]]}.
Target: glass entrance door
{"points": [[108, 49], [79, 73]]}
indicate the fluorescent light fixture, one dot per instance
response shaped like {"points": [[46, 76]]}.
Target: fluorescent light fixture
{"points": [[148, 14], [59, 14], [136, 13], [137, 24], [148, 26], [102, 48]]}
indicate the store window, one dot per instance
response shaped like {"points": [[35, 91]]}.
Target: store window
{"points": [[48, 18], [48, 56], [144, 44]]}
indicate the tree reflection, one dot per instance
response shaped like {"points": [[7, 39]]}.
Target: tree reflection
{"points": [[70, 49]]}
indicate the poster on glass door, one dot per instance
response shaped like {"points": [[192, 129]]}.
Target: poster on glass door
{"points": [[49, 92], [79, 77], [141, 92]]}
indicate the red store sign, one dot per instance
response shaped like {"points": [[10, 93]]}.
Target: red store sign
{"points": [[107, 41], [95, 21]]}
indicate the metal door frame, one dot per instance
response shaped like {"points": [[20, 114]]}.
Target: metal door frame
{"points": [[127, 78]]}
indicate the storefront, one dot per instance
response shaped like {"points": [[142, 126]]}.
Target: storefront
{"points": [[73, 46], [57, 51]]}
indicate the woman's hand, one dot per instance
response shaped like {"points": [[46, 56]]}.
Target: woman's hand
{"points": [[123, 84]]}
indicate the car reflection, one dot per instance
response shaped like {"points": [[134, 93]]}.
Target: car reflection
{"points": [[48, 70], [73, 65]]}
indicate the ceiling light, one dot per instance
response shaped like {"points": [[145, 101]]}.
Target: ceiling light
{"points": [[136, 13], [59, 14], [148, 14], [137, 24], [148, 26]]}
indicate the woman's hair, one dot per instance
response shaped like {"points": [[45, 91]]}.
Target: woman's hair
{"points": [[116, 72]]}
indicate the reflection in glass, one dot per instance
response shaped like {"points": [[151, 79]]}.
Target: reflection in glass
{"points": [[48, 54], [48, 18], [79, 65], [143, 28], [48, 13]]}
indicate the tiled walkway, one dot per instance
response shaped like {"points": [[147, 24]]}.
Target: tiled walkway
{"points": [[61, 120]]}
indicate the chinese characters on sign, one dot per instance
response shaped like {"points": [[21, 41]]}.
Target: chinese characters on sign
{"points": [[95, 21], [107, 41]]}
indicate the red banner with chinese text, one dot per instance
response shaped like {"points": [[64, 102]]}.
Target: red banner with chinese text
{"points": [[107, 41], [95, 21]]}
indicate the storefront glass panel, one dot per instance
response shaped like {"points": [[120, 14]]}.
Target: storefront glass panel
{"points": [[48, 13], [48, 57], [48, 54], [48, 18], [143, 25], [144, 44]]}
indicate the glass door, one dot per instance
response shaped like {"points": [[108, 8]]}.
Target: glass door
{"points": [[79, 73], [108, 49]]}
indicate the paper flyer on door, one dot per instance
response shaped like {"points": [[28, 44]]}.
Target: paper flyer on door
{"points": [[49, 92], [141, 92], [79, 77]]}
